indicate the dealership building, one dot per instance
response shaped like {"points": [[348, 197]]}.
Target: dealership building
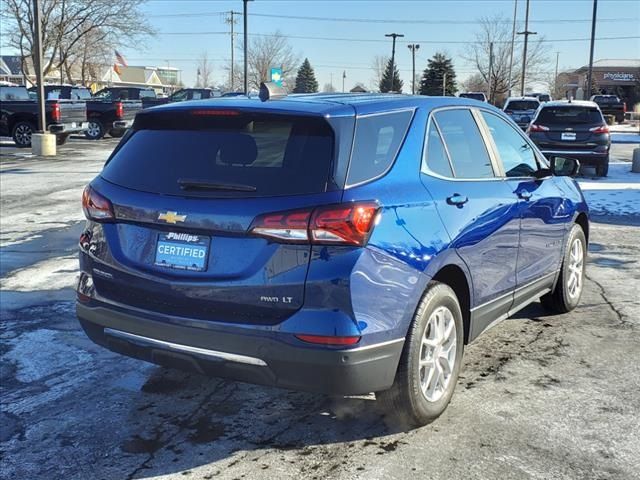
{"points": [[615, 77]]}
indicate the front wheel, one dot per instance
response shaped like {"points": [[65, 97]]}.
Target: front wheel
{"points": [[568, 289], [117, 132], [62, 139], [431, 360], [21, 134]]}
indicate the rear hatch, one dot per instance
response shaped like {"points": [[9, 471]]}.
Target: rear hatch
{"points": [[521, 111], [71, 111], [569, 128], [130, 108], [186, 187]]}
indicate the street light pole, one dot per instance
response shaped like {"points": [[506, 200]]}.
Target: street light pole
{"points": [[593, 37], [490, 71], [245, 41], [526, 34], [513, 41], [37, 14], [413, 47], [344, 75], [393, 56]]}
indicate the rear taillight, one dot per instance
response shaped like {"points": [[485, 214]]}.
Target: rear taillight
{"points": [[343, 224], [119, 110], [328, 340], [538, 128], [95, 206], [624, 107], [600, 129], [55, 112]]}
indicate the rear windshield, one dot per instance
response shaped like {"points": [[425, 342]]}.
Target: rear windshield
{"points": [[80, 94], [236, 156], [13, 93], [604, 99], [147, 94], [474, 96], [522, 105], [561, 115]]}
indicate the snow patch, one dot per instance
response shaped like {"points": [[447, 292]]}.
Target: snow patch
{"points": [[51, 274], [616, 194]]}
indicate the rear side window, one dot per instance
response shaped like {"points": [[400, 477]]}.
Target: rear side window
{"points": [[376, 144], [564, 115], [469, 156], [437, 158], [13, 93], [518, 105], [241, 156]]}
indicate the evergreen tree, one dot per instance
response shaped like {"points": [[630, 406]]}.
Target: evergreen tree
{"points": [[306, 80], [433, 75], [391, 81]]}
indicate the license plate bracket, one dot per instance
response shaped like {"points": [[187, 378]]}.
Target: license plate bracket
{"points": [[182, 251], [568, 136]]}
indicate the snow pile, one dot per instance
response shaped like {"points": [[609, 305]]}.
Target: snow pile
{"points": [[50, 274], [616, 194]]}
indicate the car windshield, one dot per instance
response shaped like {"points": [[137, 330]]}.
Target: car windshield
{"points": [[13, 93], [103, 94], [603, 99], [563, 115], [240, 155], [517, 105]]}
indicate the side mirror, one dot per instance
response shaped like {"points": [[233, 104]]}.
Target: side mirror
{"points": [[564, 166]]}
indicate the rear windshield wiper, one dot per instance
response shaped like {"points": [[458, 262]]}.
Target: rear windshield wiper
{"points": [[190, 184]]}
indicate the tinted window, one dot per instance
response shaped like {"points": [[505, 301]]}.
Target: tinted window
{"points": [[466, 147], [53, 93], [147, 94], [104, 94], [517, 105], [377, 141], [564, 115], [276, 156], [605, 99], [80, 94], [515, 152], [179, 96], [13, 93], [437, 159], [474, 96]]}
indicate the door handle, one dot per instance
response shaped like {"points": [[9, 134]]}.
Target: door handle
{"points": [[524, 194], [457, 200]]}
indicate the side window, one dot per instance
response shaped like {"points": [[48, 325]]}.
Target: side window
{"points": [[180, 96], [516, 154], [469, 156], [437, 158], [376, 144], [196, 95], [53, 94]]}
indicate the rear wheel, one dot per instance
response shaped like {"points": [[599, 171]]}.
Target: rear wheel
{"points": [[95, 130], [21, 134], [116, 132], [430, 362], [603, 170], [62, 139], [566, 294]]}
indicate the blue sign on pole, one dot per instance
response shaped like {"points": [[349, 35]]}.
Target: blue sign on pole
{"points": [[276, 75]]}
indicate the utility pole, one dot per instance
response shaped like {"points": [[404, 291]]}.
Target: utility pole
{"points": [[593, 37], [413, 47], [513, 41], [526, 34], [393, 57], [444, 84], [555, 78], [232, 22], [37, 15], [490, 71], [331, 81], [344, 75], [245, 41]]}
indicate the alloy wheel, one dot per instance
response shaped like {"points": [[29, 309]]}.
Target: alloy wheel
{"points": [[575, 268], [23, 134], [437, 354]]}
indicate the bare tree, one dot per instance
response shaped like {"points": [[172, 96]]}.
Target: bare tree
{"points": [[205, 70], [328, 88], [474, 83], [67, 23], [497, 30], [378, 65]]}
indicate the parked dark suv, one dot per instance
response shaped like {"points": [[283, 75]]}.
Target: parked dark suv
{"points": [[573, 128], [335, 243]]}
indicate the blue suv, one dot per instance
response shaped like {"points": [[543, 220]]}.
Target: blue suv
{"points": [[343, 244]]}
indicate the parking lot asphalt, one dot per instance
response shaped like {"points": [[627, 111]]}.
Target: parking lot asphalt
{"points": [[540, 396]]}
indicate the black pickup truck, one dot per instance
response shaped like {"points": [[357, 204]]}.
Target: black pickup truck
{"points": [[19, 116], [104, 113], [611, 105]]}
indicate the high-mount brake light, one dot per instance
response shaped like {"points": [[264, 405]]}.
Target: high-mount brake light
{"points": [[215, 113], [538, 128], [600, 129], [95, 206], [342, 224]]}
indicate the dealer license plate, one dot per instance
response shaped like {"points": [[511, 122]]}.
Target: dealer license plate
{"points": [[568, 136], [182, 251]]}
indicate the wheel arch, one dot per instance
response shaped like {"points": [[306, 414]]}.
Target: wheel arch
{"points": [[583, 221], [454, 276]]}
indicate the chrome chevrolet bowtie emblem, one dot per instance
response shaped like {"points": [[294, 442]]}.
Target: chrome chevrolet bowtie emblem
{"points": [[172, 217]]}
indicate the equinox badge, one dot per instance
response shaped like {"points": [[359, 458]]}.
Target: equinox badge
{"points": [[172, 217]]}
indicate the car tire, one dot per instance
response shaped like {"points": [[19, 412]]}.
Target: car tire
{"points": [[95, 130], [426, 377], [21, 134], [62, 139], [603, 170], [116, 132], [568, 290]]}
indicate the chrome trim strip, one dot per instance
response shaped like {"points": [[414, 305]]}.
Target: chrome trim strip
{"points": [[574, 152], [512, 292], [376, 345], [139, 339]]}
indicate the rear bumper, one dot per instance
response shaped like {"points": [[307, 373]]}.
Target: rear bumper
{"points": [[122, 124], [586, 157], [74, 127], [257, 358]]}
